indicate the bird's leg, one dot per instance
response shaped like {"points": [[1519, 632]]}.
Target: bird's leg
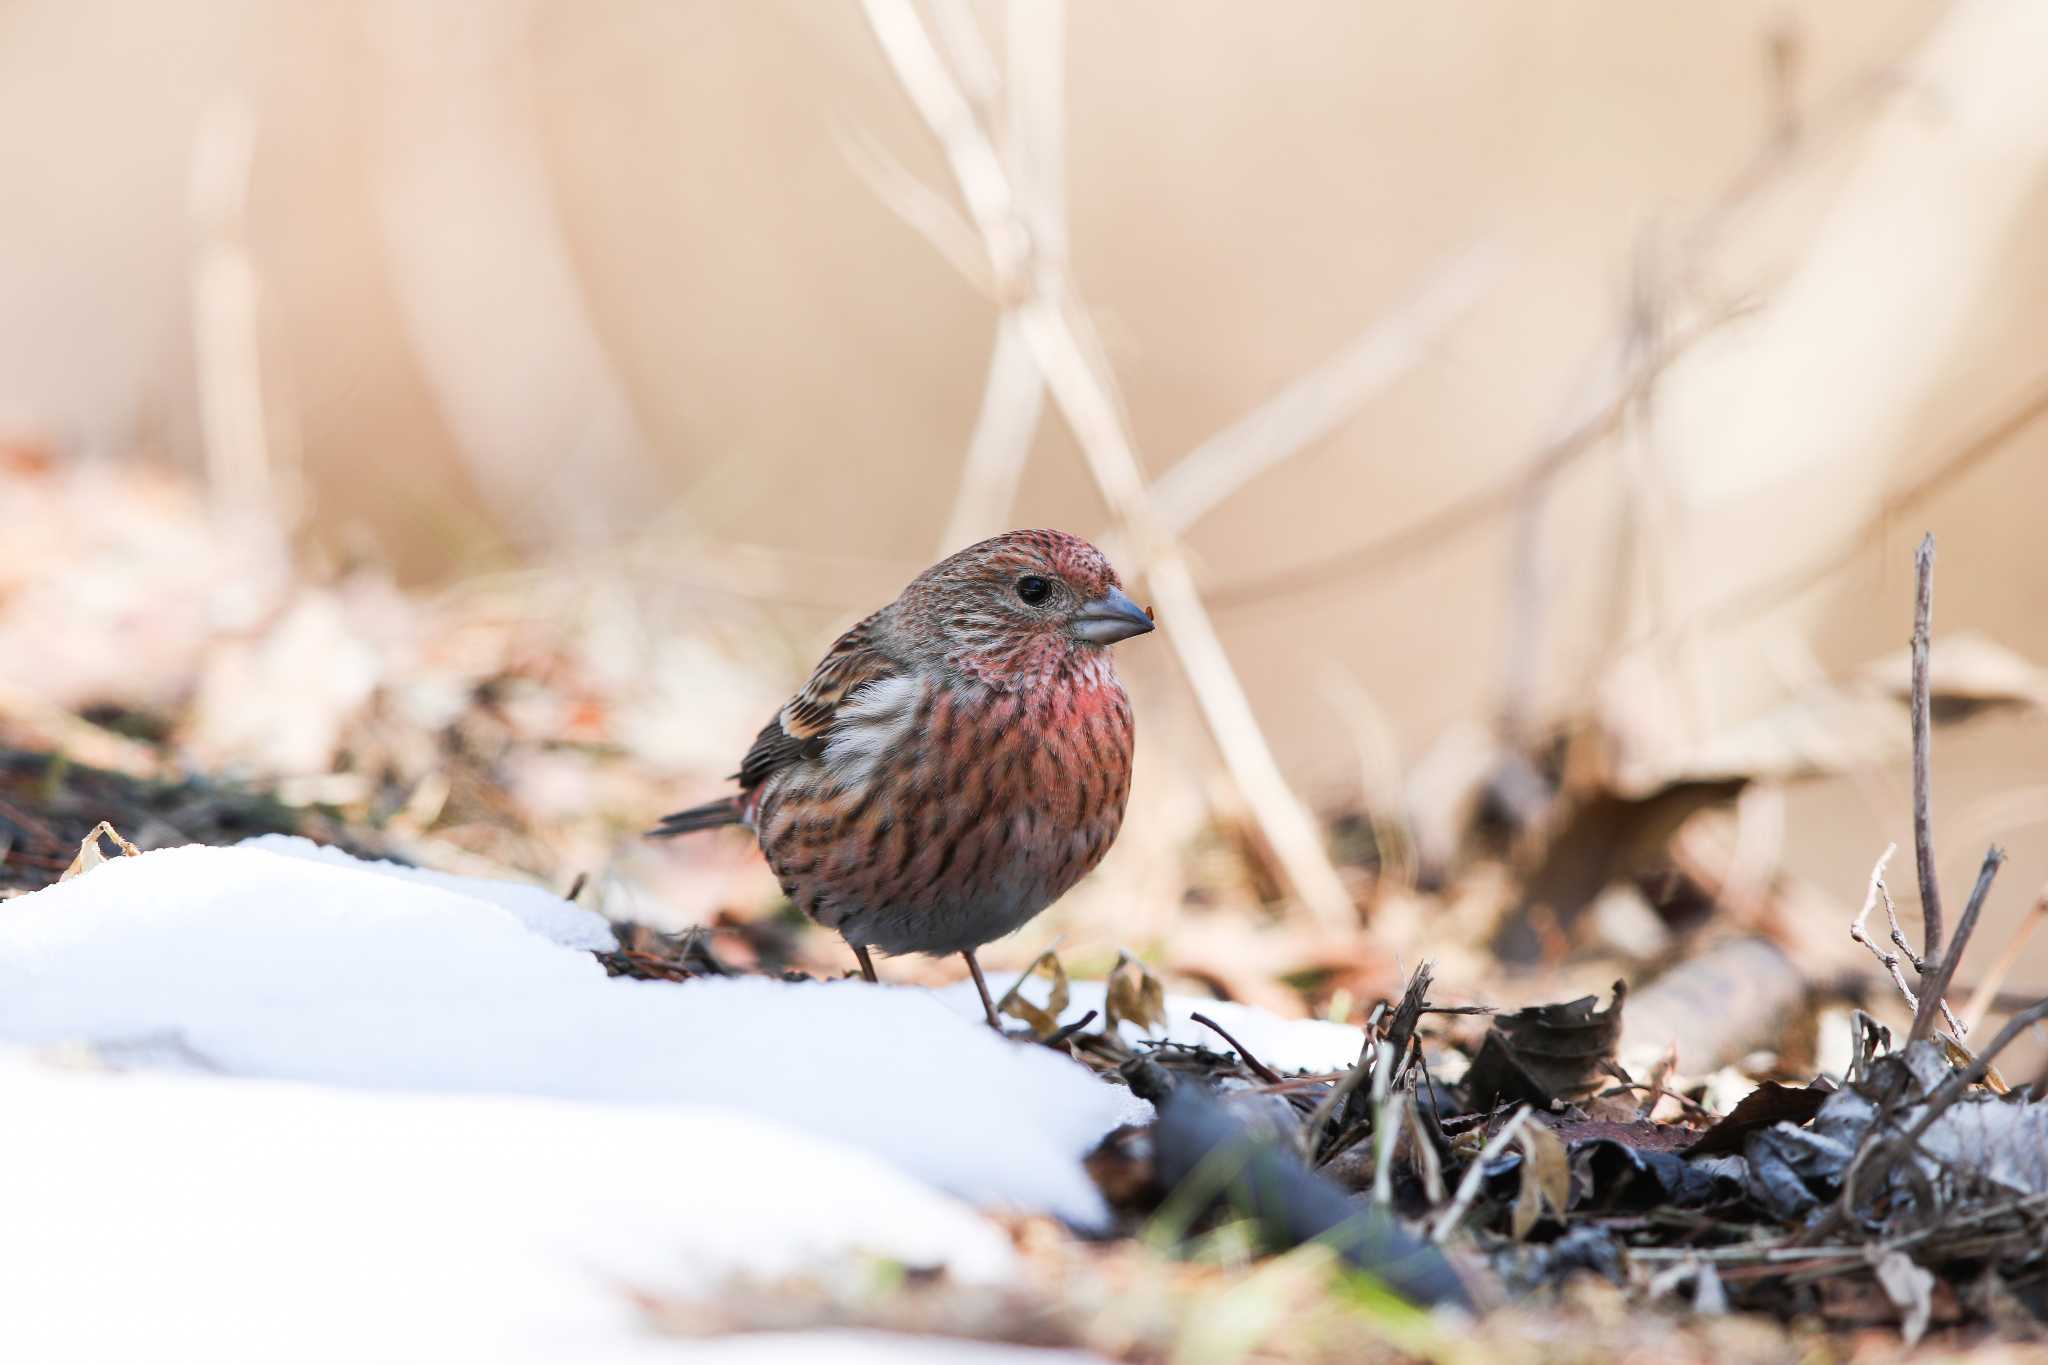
{"points": [[981, 984], [867, 964]]}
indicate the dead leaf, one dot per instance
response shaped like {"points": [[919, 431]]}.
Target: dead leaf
{"points": [[1133, 994], [89, 855], [1546, 1179], [1043, 1022], [1546, 1052], [1768, 1104]]}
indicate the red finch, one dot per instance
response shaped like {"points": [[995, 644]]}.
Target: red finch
{"points": [[957, 761]]}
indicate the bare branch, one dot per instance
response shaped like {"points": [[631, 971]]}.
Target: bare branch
{"points": [[1936, 986], [1889, 961], [1012, 405], [1923, 829]]}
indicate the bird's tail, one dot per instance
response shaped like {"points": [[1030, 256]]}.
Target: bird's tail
{"points": [[710, 815]]}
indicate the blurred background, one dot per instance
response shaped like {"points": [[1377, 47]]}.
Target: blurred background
{"points": [[462, 422]]}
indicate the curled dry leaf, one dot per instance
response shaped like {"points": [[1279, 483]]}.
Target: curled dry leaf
{"points": [[89, 855], [1546, 1053], [1043, 1022], [1134, 994]]}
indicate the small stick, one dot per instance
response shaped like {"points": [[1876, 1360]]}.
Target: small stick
{"points": [[1923, 724], [1067, 1031], [1889, 961], [1931, 1001], [1252, 1064]]}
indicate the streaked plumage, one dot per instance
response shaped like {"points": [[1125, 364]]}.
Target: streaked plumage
{"points": [[957, 761]]}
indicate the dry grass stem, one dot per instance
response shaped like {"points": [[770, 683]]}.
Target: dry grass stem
{"points": [[1320, 401]]}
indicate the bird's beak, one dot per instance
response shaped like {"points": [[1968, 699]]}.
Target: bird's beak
{"points": [[1110, 618]]}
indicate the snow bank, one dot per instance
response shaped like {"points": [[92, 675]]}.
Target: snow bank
{"points": [[154, 1217], [540, 910], [285, 964]]}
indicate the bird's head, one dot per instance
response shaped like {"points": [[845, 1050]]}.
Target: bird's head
{"points": [[1019, 609]]}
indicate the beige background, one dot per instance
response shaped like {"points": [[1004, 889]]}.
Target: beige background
{"points": [[545, 277]]}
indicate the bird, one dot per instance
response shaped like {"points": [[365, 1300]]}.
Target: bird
{"points": [[957, 761]]}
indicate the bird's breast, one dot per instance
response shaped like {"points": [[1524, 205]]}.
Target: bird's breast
{"points": [[954, 813]]}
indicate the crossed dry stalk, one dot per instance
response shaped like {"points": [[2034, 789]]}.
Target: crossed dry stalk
{"points": [[1015, 204]]}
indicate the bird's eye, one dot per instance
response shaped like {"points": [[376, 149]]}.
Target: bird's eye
{"points": [[1033, 589]]}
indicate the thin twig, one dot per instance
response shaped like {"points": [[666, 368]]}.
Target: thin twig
{"points": [[1937, 985], [1252, 1064], [1067, 1031], [1923, 823], [1889, 961]]}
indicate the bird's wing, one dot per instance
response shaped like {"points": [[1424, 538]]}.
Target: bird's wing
{"points": [[800, 729]]}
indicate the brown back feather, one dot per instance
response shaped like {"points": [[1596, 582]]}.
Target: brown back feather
{"points": [[800, 729]]}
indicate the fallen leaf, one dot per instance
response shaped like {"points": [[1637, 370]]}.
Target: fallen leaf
{"points": [[1134, 994], [1769, 1103], [89, 855], [1546, 1179], [1043, 1022], [1546, 1053]]}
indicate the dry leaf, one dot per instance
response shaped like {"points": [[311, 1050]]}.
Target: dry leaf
{"points": [[1546, 1052], [1133, 994], [89, 855], [1546, 1178], [1043, 1022]]}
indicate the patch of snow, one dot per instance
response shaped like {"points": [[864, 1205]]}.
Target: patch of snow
{"points": [[158, 1216], [288, 966], [537, 908], [1283, 1044]]}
